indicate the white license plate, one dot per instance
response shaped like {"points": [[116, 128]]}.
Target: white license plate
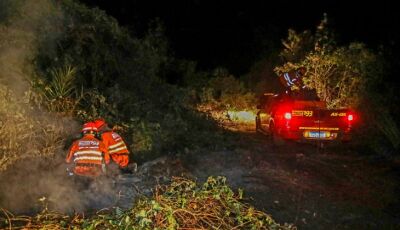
{"points": [[316, 134]]}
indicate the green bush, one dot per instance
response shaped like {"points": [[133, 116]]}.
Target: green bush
{"points": [[58, 95], [225, 92]]}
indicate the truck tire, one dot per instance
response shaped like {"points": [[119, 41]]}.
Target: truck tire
{"points": [[276, 139], [258, 125]]}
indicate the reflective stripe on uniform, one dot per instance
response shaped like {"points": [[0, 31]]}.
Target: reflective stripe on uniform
{"points": [[117, 149], [88, 158], [87, 152], [287, 77], [89, 147], [116, 145]]}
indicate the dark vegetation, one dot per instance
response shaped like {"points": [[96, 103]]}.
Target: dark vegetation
{"points": [[106, 72], [88, 66]]}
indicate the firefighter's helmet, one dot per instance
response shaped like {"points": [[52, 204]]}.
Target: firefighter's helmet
{"points": [[89, 127], [100, 123]]}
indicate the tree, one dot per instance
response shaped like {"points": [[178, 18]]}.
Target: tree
{"points": [[338, 74]]}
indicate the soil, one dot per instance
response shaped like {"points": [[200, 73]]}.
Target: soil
{"points": [[331, 188]]}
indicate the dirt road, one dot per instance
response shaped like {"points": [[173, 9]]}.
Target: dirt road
{"points": [[333, 188], [337, 188]]}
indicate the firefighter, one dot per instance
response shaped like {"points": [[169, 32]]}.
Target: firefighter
{"points": [[293, 77], [115, 145], [88, 155]]}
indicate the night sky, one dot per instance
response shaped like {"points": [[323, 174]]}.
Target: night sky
{"points": [[235, 35]]}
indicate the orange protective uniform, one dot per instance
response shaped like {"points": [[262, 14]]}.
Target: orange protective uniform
{"points": [[116, 147], [89, 155]]}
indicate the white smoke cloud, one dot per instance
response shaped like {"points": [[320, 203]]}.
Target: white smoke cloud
{"points": [[20, 32], [25, 25]]}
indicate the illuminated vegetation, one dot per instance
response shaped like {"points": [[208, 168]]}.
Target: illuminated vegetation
{"points": [[23, 136], [180, 205]]}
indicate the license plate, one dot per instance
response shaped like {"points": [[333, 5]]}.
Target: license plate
{"points": [[316, 134]]}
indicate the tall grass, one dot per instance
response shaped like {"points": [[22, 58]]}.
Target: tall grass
{"points": [[25, 131], [59, 93]]}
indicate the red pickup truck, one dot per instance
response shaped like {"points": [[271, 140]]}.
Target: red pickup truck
{"points": [[302, 116]]}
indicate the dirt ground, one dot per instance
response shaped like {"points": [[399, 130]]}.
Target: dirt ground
{"points": [[331, 188]]}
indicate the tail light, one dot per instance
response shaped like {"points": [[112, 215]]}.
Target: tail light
{"points": [[350, 117], [287, 116]]}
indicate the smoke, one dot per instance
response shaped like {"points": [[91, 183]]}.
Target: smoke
{"points": [[32, 186], [20, 31], [23, 23], [33, 143]]}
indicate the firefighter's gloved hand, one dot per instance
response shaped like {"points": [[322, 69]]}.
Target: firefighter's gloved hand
{"points": [[131, 168], [134, 167], [69, 170], [125, 170]]}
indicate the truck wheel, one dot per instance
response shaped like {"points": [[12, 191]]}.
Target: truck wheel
{"points": [[257, 125], [276, 139]]}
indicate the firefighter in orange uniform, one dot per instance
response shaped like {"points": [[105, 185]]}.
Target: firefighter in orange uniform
{"points": [[88, 154], [114, 143]]}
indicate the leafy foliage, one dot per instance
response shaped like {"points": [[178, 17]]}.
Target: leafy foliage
{"points": [[59, 94], [339, 74], [340, 77], [225, 92], [180, 205], [120, 77], [297, 46]]}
